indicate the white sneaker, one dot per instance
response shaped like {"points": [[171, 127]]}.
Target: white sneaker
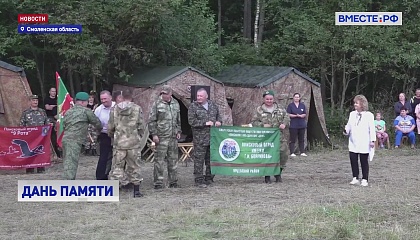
{"points": [[364, 183], [303, 154], [293, 155], [354, 181]]}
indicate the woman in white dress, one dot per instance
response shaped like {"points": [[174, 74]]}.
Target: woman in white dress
{"points": [[362, 136]]}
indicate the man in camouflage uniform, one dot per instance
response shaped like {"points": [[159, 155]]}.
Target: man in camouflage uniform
{"points": [[272, 115], [126, 126], [75, 125], [202, 114], [165, 128], [34, 116]]}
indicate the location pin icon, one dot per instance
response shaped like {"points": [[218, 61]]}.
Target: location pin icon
{"points": [[22, 29]]}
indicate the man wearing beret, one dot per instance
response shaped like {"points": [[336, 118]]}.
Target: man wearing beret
{"points": [[75, 124], [34, 116], [272, 115]]}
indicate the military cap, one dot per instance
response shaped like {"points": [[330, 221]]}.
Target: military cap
{"points": [[33, 96], [166, 89], [83, 96], [268, 92]]}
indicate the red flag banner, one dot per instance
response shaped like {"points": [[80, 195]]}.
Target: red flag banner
{"points": [[64, 102], [25, 147]]}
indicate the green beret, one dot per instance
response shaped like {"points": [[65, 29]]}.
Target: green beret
{"points": [[83, 96], [268, 92]]}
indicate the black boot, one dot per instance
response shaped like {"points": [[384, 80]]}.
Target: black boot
{"points": [[267, 179], [137, 192], [209, 179], [94, 153], [278, 178], [40, 170], [174, 185], [199, 182], [30, 170], [87, 152]]}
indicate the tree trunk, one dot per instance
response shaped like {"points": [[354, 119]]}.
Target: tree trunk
{"points": [[247, 19], [94, 82], [262, 21], [77, 82], [344, 84], [257, 15], [332, 88], [38, 71], [323, 81], [70, 76], [219, 22]]}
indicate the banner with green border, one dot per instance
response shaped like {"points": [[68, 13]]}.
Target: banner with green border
{"points": [[244, 151]]}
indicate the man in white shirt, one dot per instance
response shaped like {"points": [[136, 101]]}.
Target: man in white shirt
{"points": [[105, 145]]}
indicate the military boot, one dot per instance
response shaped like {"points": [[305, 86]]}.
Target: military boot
{"points": [[137, 192], [93, 152], [87, 152], [209, 179], [267, 179], [278, 178], [40, 170], [199, 182]]}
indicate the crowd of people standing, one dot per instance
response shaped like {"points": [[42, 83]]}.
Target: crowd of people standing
{"points": [[120, 127]]}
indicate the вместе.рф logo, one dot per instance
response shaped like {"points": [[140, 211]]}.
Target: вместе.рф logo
{"points": [[368, 18]]}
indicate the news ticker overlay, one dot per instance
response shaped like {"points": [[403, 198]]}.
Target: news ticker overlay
{"points": [[68, 191], [368, 18], [32, 18], [49, 29]]}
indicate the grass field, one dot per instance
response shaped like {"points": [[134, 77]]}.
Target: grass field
{"points": [[315, 201]]}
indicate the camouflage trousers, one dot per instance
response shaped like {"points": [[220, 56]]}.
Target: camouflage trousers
{"points": [[166, 151], [201, 156], [126, 167], [284, 153], [71, 154], [91, 138]]}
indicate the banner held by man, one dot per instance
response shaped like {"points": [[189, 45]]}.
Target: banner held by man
{"points": [[238, 151]]}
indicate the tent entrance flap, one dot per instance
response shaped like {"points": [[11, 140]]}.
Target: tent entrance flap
{"points": [[315, 133]]}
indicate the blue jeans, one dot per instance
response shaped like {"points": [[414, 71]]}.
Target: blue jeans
{"points": [[399, 135]]}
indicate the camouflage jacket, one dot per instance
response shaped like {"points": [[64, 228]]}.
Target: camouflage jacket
{"points": [[275, 119], [197, 118], [165, 118], [76, 122], [31, 117], [126, 125]]}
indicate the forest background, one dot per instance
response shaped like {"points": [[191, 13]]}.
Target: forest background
{"points": [[122, 35]]}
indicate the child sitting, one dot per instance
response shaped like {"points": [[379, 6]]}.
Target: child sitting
{"points": [[380, 129]]}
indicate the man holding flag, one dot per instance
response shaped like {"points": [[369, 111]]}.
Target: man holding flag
{"points": [[75, 125]]}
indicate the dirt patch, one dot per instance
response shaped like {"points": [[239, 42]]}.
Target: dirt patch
{"points": [[314, 201]]}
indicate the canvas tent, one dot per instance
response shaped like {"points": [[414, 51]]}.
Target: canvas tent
{"points": [[14, 94], [245, 86], [146, 84]]}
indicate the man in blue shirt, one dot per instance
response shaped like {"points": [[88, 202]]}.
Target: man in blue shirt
{"points": [[404, 125]]}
